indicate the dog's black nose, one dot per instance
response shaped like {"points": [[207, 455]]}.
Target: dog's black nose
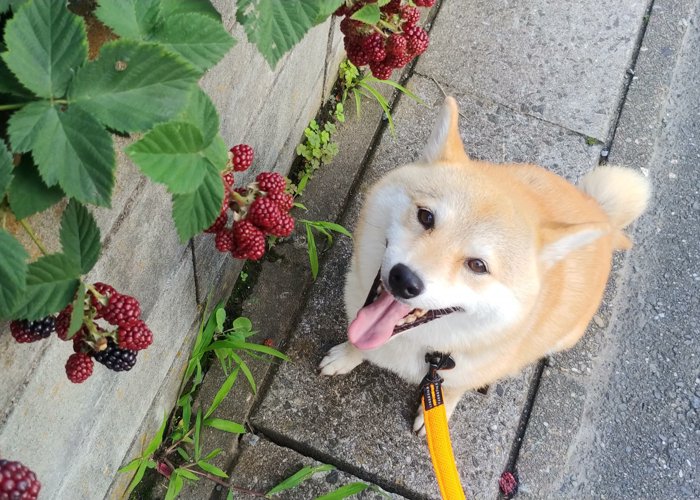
{"points": [[404, 282]]}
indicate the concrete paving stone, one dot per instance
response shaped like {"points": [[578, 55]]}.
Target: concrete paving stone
{"points": [[638, 435], [262, 465], [300, 406], [93, 422], [562, 61]]}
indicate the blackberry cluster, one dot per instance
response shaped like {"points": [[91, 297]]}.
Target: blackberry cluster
{"points": [[115, 348], [390, 44], [255, 211], [17, 482]]}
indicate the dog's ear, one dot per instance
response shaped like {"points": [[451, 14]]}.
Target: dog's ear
{"points": [[444, 143], [558, 240]]}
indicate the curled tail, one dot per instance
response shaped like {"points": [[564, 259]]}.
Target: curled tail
{"points": [[623, 194]]}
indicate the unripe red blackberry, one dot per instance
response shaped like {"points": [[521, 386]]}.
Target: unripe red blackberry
{"points": [[393, 7], [416, 40], [100, 303], [63, 322], [356, 54], [219, 223], [121, 309], [373, 46], [283, 227], [115, 358], [271, 182], [249, 241], [264, 213], [396, 45], [242, 157], [397, 61], [17, 482], [424, 3], [135, 336], [409, 15], [25, 331], [224, 240], [229, 178], [284, 201], [381, 70], [79, 367]]}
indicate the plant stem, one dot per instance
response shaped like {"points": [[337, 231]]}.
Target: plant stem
{"points": [[223, 483], [168, 451], [4, 107], [33, 236]]}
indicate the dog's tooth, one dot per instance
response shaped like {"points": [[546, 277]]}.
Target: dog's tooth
{"points": [[410, 318], [401, 322], [420, 312]]}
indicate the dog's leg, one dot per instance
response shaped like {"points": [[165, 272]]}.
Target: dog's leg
{"points": [[341, 359], [450, 396]]}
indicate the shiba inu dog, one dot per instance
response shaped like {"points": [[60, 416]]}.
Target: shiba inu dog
{"points": [[497, 265]]}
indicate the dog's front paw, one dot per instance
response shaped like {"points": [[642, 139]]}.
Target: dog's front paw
{"points": [[419, 422], [340, 360]]}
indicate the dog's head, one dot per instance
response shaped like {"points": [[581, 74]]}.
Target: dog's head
{"points": [[452, 236]]}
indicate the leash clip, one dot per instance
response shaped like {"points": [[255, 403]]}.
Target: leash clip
{"points": [[436, 361]]}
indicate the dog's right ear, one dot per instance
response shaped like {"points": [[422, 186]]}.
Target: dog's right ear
{"points": [[445, 144]]}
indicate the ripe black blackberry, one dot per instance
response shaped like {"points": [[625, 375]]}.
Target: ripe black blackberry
{"points": [[25, 331], [17, 482], [115, 358]]}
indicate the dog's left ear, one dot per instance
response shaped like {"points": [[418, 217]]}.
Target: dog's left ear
{"points": [[559, 240], [445, 143]]}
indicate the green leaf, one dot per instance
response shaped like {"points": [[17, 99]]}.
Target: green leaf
{"points": [[211, 469], [13, 273], [187, 474], [5, 169], [70, 148], [200, 112], [400, 88], [382, 102], [213, 454], [4, 5], [80, 237], [185, 456], [76, 317], [311, 250], [246, 371], [27, 193], [369, 14], [9, 83], [133, 465], [171, 154], [242, 323], [299, 477], [172, 7], [45, 46], [247, 345], [345, 491], [217, 153], [222, 392], [201, 40], [137, 477], [51, 283], [229, 495], [225, 425], [275, 27], [132, 85], [129, 18], [174, 486], [220, 317], [194, 212], [197, 433], [156, 441]]}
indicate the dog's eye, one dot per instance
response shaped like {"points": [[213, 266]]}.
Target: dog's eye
{"points": [[426, 218], [477, 266]]}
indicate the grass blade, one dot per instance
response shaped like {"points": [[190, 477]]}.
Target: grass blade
{"points": [[222, 392], [299, 477]]}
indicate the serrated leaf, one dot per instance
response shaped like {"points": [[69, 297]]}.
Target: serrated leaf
{"points": [[4, 5], [368, 14], [299, 477], [211, 469], [201, 40], [27, 193], [275, 27], [196, 211], [129, 18], [345, 491], [172, 7], [46, 44], [76, 317], [172, 154], [80, 236], [9, 83], [51, 284], [13, 273], [200, 112], [217, 153], [25, 124], [225, 425], [132, 86], [5, 169], [74, 150]]}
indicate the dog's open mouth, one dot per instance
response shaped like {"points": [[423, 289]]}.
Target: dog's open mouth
{"points": [[383, 316]]}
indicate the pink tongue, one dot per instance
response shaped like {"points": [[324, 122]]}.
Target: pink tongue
{"points": [[375, 323]]}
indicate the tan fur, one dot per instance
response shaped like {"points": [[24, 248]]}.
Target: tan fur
{"points": [[548, 245]]}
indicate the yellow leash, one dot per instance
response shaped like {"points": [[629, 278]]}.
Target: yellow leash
{"points": [[436, 428]]}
